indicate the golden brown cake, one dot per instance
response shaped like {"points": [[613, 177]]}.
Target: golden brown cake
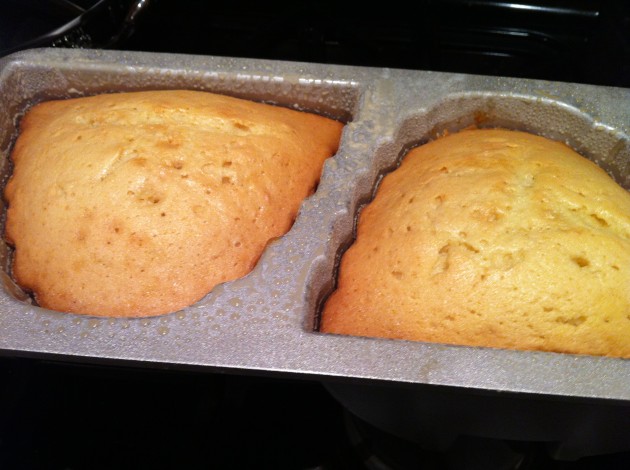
{"points": [[138, 204], [491, 238]]}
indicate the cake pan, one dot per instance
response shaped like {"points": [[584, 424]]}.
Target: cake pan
{"points": [[266, 322]]}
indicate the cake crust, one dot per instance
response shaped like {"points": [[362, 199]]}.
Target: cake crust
{"points": [[491, 237], [139, 204]]}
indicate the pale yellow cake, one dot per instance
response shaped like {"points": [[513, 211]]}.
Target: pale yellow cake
{"points": [[491, 238], [138, 204]]}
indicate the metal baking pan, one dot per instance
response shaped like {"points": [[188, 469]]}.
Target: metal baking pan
{"points": [[266, 322]]}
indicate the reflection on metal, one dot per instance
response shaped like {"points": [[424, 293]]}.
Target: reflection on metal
{"points": [[537, 8]]}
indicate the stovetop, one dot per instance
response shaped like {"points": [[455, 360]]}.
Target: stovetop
{"points": [[56, 415], [71, 417]]}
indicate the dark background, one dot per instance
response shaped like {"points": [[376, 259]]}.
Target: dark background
{"points": [[56, 415], [579, 41]]}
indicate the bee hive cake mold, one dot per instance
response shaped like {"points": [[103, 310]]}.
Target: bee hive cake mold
{"points": [[267, 321]]}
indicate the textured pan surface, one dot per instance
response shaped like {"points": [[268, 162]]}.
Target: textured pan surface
{"points": [[266, 322]]}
